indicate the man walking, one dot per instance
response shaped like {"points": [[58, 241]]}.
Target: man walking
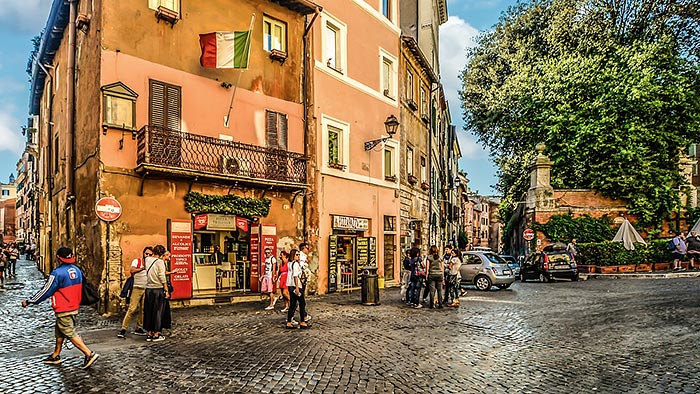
{"points": [[305, 271], [64, 285], [571, 248], [678, 253], [138, 271], [14, 255]]}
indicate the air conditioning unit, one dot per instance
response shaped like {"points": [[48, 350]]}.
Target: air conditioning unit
{"points": [[235, 166]]}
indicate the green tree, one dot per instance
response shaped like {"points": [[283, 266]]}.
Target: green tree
{"points": [[611, 87]]}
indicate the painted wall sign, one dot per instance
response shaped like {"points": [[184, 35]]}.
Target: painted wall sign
{"points": [[350, 223], [180, 246], [221, 222]]}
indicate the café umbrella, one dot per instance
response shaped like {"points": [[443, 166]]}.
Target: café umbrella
{"points": [[696, 227], [628, 235]]}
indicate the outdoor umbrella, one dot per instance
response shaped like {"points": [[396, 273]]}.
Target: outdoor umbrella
{"points": [[696, 227], [628, 235]]}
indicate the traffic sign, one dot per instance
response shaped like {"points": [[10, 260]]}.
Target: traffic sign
{"points": [[108, 209], [529, 234]]}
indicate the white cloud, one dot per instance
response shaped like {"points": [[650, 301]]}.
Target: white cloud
{"points": [[25, 16], [10, 136]]}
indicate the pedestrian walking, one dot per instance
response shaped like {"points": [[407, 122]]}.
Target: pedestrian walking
{"points": [[167, 321], [295, 285], [64, 285], [138, 272], [454, 279], [571, 248], [267, 285], [446, 257], [156, 292], [678, 253], [436, 275], [406, 276], [12, 262], [417, 278], [693, 248], [3, 261], [282, 279], [304, 252]]}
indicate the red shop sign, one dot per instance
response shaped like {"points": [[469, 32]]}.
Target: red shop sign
{"points": [[180, 246]]}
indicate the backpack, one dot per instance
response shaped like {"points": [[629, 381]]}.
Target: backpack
{"points": [[671, 245]]}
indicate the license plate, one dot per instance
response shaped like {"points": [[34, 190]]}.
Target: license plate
{"points": [[507, 272], [563, 267]]}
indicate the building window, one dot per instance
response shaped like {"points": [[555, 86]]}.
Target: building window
{"points": [[389, 223], [334, 145], [55, 155], [388, 75], [274, 35], [423, 170], [334, 44], [409, 86], [119, 106], [389, 173], [409, 161], [276, 129], [386, 8], [173, 5], [5, 192], [164, 105], [424, 110]]}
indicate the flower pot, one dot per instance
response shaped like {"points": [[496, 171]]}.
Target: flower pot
{"points": [[644, 267], [662, 266], [627, 268], [611, 269], [586, 269]]}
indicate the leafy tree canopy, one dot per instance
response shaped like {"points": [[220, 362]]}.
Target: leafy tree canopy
{"points": [[612, 87]]}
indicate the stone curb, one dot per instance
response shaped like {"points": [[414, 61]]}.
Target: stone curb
{"points": [[637, 275]]}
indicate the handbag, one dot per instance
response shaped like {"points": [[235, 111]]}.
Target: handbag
{"points": [[89, 294], [128, 287]]}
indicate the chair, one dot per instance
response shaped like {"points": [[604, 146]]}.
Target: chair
{"points": [[226, 267], [346, 281]]}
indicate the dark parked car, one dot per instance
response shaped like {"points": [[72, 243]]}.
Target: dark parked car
{"points": [[513, 264], [485, 269], [552, 262]]}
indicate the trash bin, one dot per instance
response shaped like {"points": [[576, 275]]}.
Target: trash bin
{"points": [[370, 286]]}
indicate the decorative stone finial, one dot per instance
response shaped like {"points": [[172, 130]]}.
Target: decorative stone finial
{"points": [[540, 148]]}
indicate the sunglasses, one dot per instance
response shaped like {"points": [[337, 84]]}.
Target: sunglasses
{"points": [[148, 254]]}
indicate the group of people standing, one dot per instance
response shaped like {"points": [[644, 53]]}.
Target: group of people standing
{"points": [[425, 277], [150, 294], [685, 247], [8, 262], [290, 276]]}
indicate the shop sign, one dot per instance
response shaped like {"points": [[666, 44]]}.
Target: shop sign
{"points": [[180, 246], [254, 258], [201, 221], [242, 224], [333, 264], [350, 223], [221, 222]]}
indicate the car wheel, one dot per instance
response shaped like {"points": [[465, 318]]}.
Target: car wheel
{"points": [[482, 283], [504, 286], [575, 278], [543, 278], [522, 278]]}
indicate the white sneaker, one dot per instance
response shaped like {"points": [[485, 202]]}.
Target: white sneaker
{"points": [[158, 338], [269, 308], [308, 317]]}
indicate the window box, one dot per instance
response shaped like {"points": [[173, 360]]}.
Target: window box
{"points": [[337, 166], [167, 15], [390, 178], [278, 55], [424, 185], [411, 104], [412, 179], [425, 116]]}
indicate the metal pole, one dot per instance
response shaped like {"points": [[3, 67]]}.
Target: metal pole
{"points": [[240, 70]]}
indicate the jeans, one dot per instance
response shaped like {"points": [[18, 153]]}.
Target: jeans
{"points": [[294, 300], [405, 284], [135, 304], [414, 291], [452, 291], [12, 267], [435, 282]]}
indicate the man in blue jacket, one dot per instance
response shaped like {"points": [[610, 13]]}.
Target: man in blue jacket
{"points": [[64, 285]]}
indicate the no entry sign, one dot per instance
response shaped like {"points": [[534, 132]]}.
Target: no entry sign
{"points": [[529, 234], [108, 209]]}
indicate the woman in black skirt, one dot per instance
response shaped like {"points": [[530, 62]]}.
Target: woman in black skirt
{"points": [[156, 293]]}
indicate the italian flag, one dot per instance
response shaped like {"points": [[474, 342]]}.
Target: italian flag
{"points": [[223, 49]]}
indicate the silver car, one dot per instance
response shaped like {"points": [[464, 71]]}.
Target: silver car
{"points": [[485, 269]]}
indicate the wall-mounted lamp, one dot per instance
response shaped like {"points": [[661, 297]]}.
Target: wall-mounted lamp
{"points": [[390, 125], [226, 85]]}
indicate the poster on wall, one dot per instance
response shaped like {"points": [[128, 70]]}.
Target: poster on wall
{"points": [[254, 258], [333, 264], [180, 247], [362, 256]]}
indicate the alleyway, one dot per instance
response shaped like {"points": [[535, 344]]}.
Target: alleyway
{"points": [[598, 335]]}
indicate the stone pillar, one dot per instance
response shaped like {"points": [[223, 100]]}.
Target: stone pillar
{"points": [[688, 192], [541, 194]]}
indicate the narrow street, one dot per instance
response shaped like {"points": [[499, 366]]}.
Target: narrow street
{"points": [[636, 336]]}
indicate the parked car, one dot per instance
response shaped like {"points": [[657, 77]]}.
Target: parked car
{"points": [[513, 264], [485, 269], [552, 262]]}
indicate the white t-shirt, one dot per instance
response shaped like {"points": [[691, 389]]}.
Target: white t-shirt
{"points": [[269, 263], [140, 279], [303, 259], [294, 271]]}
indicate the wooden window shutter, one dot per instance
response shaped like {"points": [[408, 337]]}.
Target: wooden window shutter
{"points": [[276, 130], [173, 107], [283, 132], [156, 107], [164, 105]]}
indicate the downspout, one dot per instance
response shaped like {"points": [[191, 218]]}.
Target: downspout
{"points": [[430, 166], [70, 112], [50, 171], [306, 70]]}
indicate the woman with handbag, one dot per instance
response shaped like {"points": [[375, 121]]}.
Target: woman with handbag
{"points": [[156, 294], [417, 278], [135, 295]]}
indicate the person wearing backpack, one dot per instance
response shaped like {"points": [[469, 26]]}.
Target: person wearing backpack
{"points": [[138, 272], [679, 250], [65, 286]]}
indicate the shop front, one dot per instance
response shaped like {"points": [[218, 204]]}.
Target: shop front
{"points": [[350, 251]]}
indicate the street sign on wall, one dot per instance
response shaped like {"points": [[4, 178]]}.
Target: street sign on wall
{"points": [[529, 234], [108, 209]]}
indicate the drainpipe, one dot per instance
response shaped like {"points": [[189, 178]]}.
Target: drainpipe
{"points": [[306, 84], [70, 109]]}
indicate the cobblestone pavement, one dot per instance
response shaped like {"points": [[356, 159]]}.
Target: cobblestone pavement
{"points": [[631, 336]]}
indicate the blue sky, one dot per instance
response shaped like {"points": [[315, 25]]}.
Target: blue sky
{"points": [[20, 20]]}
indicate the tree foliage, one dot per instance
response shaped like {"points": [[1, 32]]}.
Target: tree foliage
{"points": [[612, 87]]}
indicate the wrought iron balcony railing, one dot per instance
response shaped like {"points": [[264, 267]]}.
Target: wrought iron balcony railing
{"points": [[167, 148]]}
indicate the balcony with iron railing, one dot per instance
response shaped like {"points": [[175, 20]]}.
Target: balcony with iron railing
{"points": [[177, 153]]}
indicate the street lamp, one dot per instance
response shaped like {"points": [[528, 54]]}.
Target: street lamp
{"points": [[390, 124]]}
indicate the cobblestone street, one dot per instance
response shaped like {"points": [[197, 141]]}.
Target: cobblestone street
{"points": [[636, 336]]}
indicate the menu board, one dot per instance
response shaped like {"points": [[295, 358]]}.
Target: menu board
{"points": [[333, 264], [362, 256], [254, 258], [180, 246]]}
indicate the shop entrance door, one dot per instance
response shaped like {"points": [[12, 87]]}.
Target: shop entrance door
{"points": [[389, 247], [346, 257]]}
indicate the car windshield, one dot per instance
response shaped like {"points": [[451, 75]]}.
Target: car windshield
{"points": [[494, 258], [559, 258]]}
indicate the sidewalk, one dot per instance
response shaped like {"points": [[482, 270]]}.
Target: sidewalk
{"points": [[643, 275]]}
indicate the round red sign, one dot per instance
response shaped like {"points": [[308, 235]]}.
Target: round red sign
{"points": [[108, 209], [529, 234]]}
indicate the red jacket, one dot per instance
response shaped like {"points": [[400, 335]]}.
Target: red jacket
{"points": [[64, 286]]}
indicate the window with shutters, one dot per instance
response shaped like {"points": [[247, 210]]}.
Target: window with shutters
{"points": [[164, 105], [276, 129], [336, 143], [274, 34], [173, 5], [164, 112]]}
